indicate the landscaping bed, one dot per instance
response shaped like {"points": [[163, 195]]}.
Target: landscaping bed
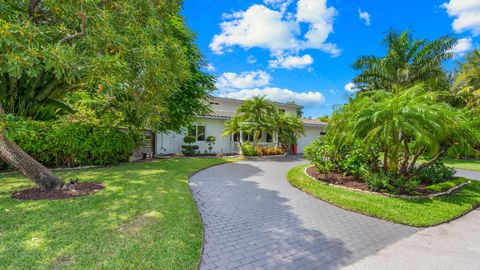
{"points": [[78, 190], [145, 218], [424, 189], [419, 212]]}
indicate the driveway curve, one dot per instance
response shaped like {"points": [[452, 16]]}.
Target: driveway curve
{"points": [[254, 219]]}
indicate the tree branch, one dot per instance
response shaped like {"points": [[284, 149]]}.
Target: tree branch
{"points": [[32, 8], [430, 162], [414, 160], [83, 29]]}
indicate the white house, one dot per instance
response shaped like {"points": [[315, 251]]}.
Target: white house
{"points": [[214, 124]]}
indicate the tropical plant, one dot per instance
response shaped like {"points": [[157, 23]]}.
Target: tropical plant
{"points": [[210, 141], [408, 61], [248, 150], [405, 124], [257, 115], [467, 80], [288, 127], [137, 54]]}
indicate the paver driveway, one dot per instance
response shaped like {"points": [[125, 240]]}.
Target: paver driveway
{"points": [[255, 219]]}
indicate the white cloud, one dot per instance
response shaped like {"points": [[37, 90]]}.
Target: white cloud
{"points": [[277, 30], [466, 13], [365, 16], [258, 26], [350, 87], [210, 67], [320, 17], [291, 62], [230, 81], [280, 95], [463, 46], [251, 59]]}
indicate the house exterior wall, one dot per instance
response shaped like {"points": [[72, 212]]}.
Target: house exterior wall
{"points": [[168, 143], [311, 134]]}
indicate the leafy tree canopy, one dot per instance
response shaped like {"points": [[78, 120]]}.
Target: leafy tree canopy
{"points": [[136, 55]]}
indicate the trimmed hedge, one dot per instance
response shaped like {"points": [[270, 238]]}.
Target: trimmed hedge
{"points": [[60, 144]]}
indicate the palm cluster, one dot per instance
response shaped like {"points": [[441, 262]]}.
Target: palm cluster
{"points": [[258, 115]]}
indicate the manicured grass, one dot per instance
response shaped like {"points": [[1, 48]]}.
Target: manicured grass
{"points": [[146, 218], [415, 212], [444, 186], [473, 165]]}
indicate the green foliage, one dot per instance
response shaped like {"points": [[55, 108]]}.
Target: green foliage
{"points": [[58, 144], [137, 55], [408, 61], [248, 149], [354, 163], [189, 149], [323, 155], [258, 115], [377, 181], [467, 80], [210, 141], [436, 173], [288, 127]]}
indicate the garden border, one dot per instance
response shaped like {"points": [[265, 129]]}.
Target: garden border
{"points": [[443, 193]]}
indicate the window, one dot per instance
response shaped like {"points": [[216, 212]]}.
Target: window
{"points": [[269, 137], [198, 132], [236, 137], [282, 110], [322, 133], [201, 133]]}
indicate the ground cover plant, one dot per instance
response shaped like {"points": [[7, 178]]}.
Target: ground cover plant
{"points": [[145, 218]]}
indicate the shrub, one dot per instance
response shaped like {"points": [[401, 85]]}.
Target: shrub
{"points": [[377, 181], [354, 164], [436, 173], [322, 155], [60, 144], [211, 141], [248, 150], [190, 149], [268, 151]]}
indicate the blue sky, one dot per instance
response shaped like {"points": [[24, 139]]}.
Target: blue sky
{"points": [[302, 50]]}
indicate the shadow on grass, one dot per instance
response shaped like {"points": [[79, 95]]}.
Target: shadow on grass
{"points": [[87, 231]]}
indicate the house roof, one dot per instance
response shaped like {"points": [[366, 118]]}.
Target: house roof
{"points": [[218, 114], [215, 98]]}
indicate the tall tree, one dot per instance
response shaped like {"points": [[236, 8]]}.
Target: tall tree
{"points": [[467, 80], [408, 61], [136, 54]]}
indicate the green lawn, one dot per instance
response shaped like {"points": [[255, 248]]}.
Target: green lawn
{"points": [[415, 212], [473, 165], [146, 218]]}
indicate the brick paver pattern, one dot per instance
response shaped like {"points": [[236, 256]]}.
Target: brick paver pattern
{"points": [[254, 219]]}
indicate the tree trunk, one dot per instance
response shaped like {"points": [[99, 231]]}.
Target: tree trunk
{"points": [[25, 164], [29, 167], [385, 161]]}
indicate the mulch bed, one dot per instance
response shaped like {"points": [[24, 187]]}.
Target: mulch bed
{"points": [[337, 179], [79, 189]]}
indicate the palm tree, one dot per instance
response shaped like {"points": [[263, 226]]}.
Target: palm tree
{"points": [[467, 80], [288, 127], [406, 124], [408, 61], [257, 115]]}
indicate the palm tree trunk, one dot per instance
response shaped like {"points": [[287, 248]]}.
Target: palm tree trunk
{"points": [[26, 165]]}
